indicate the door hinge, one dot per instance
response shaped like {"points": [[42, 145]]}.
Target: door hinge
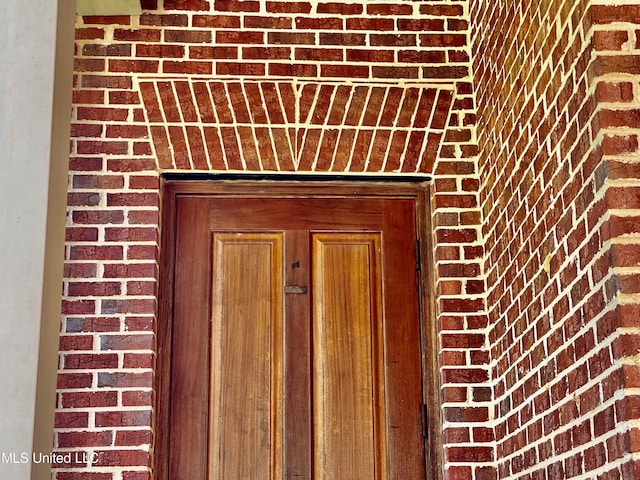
{"points": [[418, 255], [424, 420]]}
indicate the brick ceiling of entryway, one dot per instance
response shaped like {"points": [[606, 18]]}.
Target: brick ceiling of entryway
{"points": [[272, 126]]}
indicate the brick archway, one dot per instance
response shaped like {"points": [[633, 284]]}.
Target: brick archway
{"points": [[272, 126]]}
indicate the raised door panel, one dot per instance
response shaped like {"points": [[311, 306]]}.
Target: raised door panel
{"points": [[245, 420], [348, 369]]}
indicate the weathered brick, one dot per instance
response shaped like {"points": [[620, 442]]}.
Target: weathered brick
{"points": [[237, 5], [397, 40], [76, 380], [134, 66], [84, 439], [133, 199], [71, 420], [290, 38], [240, 37], [126, 342], [80, 270], [90, 361], [288, 7], [466, 454], [89, 33], [133, 437], [88, 289], [136, 398], [133, 418], [140, 35], [323, 23], [164, 20], [79, 234], [188, 36], [98, 217], [216, 21], [109, 306], [124, 380], [138, 360], [78, 307], [345, 39]]}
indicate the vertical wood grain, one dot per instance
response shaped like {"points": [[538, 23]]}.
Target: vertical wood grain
{"points": [[246, 357], [189, 343], [297, 385], [348, 395], [402, 340]]}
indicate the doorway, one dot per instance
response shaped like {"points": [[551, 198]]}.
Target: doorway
{"points": [[293, 340]]}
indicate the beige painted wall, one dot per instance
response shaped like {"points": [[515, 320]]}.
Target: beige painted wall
{"points": [[108, 7]]}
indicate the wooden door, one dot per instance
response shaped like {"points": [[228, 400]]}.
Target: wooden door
{"points": [[295, 345]]}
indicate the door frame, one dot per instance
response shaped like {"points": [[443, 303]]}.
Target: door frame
{"points": [[419, 192]]}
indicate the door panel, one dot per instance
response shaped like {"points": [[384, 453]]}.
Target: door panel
{"points": [[246, 356], [348, 382], [295, 340]]}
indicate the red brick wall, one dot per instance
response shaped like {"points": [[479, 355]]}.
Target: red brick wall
{"points": [[557, 94], [120, 144], [536, 226]]}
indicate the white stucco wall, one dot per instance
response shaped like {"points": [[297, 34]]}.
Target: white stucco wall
{"points": [[35, 38]]}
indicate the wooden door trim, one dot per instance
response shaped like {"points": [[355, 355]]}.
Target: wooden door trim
{"points": [[420, 193]]}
